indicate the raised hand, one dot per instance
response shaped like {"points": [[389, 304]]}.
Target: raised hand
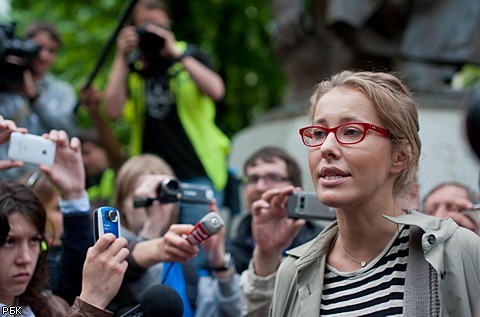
{"points": [[103, 270], [91, 98], [67, 172], [6, 129], [215, 245], [172, 247], [272, 230], [169, 49], [455, 212], [159, 215], [127, 40]]}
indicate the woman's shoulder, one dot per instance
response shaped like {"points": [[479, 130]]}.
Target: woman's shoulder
{"points": [[310, 251], [467, 239]]}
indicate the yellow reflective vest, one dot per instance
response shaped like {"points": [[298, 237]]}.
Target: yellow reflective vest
{"points": [[197, 116]]}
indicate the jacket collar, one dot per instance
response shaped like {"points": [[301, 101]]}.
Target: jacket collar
{"points": [[315, 248], [319, 246]]}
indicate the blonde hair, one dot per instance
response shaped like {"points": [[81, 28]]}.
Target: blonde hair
{"points": [[132, 169], [393, 103]]}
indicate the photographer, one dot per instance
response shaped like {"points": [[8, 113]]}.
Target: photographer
{"points": [[40, 102], [173, 96], [160, 253]]}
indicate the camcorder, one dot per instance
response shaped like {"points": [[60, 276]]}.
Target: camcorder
{"points": [[15, 56], [171, 190]]}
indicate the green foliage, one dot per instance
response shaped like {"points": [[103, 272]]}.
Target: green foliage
{"points": [[467, 77], [234, 33]]}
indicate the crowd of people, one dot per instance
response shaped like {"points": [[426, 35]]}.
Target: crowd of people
{"points": [[387, 252]]}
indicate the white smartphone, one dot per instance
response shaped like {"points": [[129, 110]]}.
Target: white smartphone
{"points": [[31, 148]]}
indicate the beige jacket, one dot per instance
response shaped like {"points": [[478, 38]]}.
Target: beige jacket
{"points": [[448, 286]]}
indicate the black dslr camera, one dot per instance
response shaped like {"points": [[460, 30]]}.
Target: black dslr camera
{"points": [[149, 43], [15, 56], [172, 190], [147, 60]]}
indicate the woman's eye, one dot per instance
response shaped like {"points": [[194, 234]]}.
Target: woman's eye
{"points": [[353, 132], [8, 242], [35, 240], [318, 134]]}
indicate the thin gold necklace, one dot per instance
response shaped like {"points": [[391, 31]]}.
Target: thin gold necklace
{"points": [[365, 262]]}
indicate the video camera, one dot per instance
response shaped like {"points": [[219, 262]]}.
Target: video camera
{"points": [[172, 190], [15, 56]]}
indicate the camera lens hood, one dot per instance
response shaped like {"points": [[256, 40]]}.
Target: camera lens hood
{"points": [[169, 190]]}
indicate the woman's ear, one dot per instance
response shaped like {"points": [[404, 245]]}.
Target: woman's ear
{"points": [[400, 158]]}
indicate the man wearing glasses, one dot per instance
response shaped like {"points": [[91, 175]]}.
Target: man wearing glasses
{"points": [[269, 167]]}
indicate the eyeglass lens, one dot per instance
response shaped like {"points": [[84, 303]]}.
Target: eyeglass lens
{"points": [[351, 133], [269, 178]]}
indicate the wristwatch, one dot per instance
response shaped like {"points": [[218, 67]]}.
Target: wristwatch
{"points": [[183, 55], [227, 264]]}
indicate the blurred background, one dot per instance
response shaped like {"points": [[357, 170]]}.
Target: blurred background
{"points": [[271, 53]]}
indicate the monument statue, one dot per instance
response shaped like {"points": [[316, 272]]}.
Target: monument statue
{"points": [[426, 40]]}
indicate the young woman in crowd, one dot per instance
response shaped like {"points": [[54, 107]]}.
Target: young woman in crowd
{"points": [[161, 254], [376, 259]]}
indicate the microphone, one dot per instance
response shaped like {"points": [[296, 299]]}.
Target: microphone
{"points": [[157, 301], [209, 225]]}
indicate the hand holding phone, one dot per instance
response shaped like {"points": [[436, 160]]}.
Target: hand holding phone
{"points": [[31, 148], [106, 220]]}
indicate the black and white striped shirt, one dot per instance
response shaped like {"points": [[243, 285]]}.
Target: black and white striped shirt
{"points": [[375, 290]]}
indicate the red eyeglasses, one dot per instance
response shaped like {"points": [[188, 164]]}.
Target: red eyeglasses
{"points": [[347, 133]]}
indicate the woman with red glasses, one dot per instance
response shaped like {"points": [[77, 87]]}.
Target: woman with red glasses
{"points": [[376, 259]]}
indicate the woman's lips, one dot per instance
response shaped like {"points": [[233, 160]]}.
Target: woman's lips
{"points": [[22, 277], [332, 176]]}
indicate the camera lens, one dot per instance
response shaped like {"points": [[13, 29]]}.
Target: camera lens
{"points": [[171, 185], [168, 190], [112, 216], [150, 43]]}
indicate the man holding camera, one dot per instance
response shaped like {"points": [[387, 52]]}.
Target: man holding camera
{"points": [[167, 90], [35, 99], [267, 168]]}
